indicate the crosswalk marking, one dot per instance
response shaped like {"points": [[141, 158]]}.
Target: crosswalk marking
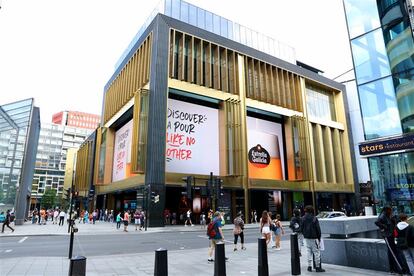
{"points": [[22, 240]]}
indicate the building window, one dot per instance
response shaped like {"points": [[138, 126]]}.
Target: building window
{"points": [[320, 103]]}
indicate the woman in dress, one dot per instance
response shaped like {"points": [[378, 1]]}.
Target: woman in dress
{"points": [[265, 226]]}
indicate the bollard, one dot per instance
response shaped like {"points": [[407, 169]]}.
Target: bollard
{"points": [[161, 262], [294, 254], [220, 260], [77, 266], [263, 267]]}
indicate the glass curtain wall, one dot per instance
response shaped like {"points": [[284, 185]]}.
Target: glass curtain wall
{"points": [[382, 47]]}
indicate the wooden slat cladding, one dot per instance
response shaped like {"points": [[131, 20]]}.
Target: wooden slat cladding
{"points": [[267, 83], [83, 165], [132, 77], [203, 63], [233, 136]]}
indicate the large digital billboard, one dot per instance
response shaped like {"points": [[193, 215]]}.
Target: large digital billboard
{"points": [[265, 149], [121, 168], [192, 138]]}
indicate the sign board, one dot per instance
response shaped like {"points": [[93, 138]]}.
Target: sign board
{"points": [[405, 143], [192, 138], [122, 153]]}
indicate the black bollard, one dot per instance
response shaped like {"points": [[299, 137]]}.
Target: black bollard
{"points": [[263, 267], [77, 266], [294, 254], [161, 262], [220, 260]]}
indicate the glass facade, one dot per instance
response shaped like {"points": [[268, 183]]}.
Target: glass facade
{"points": [[54, 142], [320, 103], [382, 46], [17, 127], [211, 22]]}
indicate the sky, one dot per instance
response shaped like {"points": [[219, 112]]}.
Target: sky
{"points": [[62, 53]]}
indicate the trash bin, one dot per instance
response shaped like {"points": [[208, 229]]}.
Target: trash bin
{"points": [[77, 266]]}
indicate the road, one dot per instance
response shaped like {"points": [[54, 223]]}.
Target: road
{"points": [[112, 244]]}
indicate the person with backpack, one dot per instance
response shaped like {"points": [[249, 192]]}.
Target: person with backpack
{"points": [[386, 223], [405, 241], [238, 231], [215, 234], [312, 237], [295, 226], [7, 222]]}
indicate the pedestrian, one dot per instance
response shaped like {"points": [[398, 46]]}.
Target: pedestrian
{"points": [[238, 231], [265, 226], [62, 215], [118, 220], [43, 216], [143, 218], [188, 218], [86, 217], [278, 230], [215, 227], [386, 224], [55, 216], [203, 221], [7, 222], [295, 226], [405, 241], [254, 216], [312, 237], [174, 218], [126, 221], [35, 216], [137, 219], [94, 215], [223, 221]]}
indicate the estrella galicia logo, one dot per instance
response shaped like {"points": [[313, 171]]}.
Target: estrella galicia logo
{"points": [[259, 156]]}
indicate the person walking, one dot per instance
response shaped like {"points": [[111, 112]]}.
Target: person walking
{"points": [[265, 226], [137, 219], [126, 221], [7, 222], [312, 236], [86, 217], [238, 231], [94, 216], [405, 241], [55, 216], [188, 218], [278, 230], [62, 218], [216, 226], [118, 220], [386, 224], [295, 226], [203, 221]]}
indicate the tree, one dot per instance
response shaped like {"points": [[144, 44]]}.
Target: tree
{"points": [[48, 199]]}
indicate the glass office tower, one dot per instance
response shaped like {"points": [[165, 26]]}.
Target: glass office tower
{"points": [[382, 47], [19, 134]]}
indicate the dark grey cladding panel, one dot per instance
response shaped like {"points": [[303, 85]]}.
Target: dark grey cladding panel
{"points": [[158, 95], [190, 29]]}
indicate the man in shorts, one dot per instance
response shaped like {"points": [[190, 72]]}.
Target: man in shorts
{"points": [[126, 221]]}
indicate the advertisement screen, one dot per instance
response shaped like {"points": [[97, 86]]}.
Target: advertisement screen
{"points": [[121, 168], [192, 138], [265, 149]]}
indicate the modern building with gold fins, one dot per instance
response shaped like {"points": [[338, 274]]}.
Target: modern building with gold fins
{"points": [[196, 94]]}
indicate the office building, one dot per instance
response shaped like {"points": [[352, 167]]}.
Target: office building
{"points": [[19, 134], [195, 94], [76, 119], [381, 39]]}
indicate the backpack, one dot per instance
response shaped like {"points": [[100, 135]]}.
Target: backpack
{"points": [[211, 231]]}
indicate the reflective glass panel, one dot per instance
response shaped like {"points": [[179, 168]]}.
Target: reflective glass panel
{"points": [[362, 16], [184, 12], [223, 27], [193, 15], [209, 21], [201, 18], [379, 109], [175, 9], [393, 181], [216, 24], [370, 57]]}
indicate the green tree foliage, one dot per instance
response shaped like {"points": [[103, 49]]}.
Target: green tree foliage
{"points": [[48, 199]]}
